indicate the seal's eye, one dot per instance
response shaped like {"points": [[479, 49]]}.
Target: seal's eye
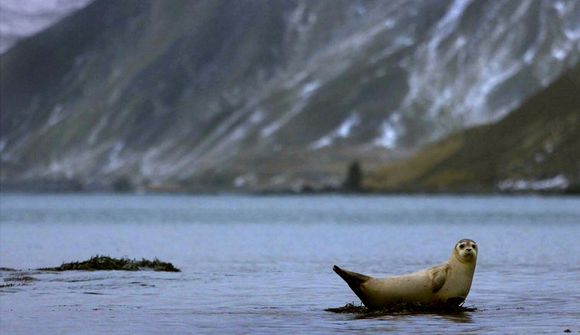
{"points": [[474, 246], [461, 246]]}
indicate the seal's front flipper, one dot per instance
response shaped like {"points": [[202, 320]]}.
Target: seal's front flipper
{"points": [[456, 301], [438, 277]]}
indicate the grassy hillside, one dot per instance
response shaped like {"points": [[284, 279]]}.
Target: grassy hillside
{"points": [[535, 147]]}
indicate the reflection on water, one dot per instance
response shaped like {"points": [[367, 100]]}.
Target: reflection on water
{"points": [[460, 317], [455, 313], [456, 317], [263, 264]]}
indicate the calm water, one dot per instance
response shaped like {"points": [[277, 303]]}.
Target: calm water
{"points": [[263, 264]]}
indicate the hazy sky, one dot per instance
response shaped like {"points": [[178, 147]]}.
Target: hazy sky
{"points": [[22, 18]]}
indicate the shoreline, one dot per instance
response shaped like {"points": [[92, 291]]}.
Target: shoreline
{"points": [[266, 193]]}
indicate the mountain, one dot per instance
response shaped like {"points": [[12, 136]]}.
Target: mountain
{"points": [[535, 148], [265, 94]]}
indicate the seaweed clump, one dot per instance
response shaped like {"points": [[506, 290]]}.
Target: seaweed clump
{"points": [[402, 308], [106, 263]]}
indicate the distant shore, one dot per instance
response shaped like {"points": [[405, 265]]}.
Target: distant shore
{"points": [[76, 188]]}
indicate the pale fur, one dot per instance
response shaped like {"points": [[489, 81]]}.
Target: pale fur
{"points": [[448, 282]]}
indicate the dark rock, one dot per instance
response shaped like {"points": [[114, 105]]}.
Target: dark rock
{"points": [[354, 178]]}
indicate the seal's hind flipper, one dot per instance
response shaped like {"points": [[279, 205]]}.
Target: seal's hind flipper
{"points": [[354, 280]]}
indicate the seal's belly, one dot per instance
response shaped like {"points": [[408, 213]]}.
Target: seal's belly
{"points": [[393, 290]]}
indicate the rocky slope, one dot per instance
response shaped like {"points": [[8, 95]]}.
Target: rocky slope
{"points": [[255, 94], [535, 148]]}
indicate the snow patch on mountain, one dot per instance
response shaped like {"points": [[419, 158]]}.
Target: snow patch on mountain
{"points": [[558, 182], [343, 131]]}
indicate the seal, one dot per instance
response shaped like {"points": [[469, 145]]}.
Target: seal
{"points": [[448, 283]]}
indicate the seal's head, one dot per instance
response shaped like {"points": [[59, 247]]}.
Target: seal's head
{"points": [[466, 251]]}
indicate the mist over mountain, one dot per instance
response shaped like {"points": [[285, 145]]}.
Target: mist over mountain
{"points": [[254, 94]]}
